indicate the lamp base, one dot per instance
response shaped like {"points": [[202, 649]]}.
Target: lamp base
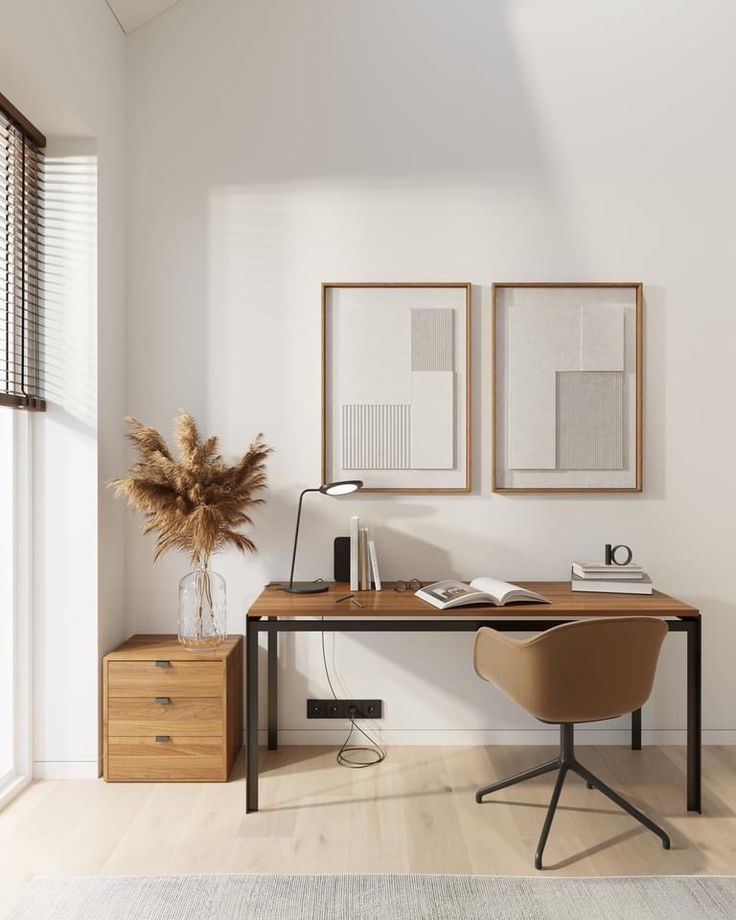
{"points": [[306, 587]]}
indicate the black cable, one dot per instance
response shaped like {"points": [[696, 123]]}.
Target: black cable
{"points": [[375, 750]]}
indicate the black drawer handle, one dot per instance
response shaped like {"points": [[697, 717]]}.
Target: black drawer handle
{"points": [[163, 664], [162, 739], [163, 700]]}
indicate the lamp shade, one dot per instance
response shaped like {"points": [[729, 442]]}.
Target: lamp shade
{"points": [[345, 487]]}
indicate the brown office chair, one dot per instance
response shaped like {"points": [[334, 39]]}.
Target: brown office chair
{"points": [[582, 671]]}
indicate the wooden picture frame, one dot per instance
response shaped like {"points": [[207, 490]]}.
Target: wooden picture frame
{"points": [[628, 296], [405, 341]]}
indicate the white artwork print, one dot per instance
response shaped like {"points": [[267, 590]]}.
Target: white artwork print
{"points": [[566, 387], [395, 386]]}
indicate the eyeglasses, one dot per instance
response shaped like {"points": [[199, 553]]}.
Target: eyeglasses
{"points": [[412, 585]]}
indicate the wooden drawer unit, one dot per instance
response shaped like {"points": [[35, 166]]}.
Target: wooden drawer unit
{"points": [[170, 714]]}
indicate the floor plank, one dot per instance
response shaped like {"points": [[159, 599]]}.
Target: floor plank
{"points": [[413, 813]]}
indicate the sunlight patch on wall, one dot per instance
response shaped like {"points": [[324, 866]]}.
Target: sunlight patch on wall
{"points": [[70, 258]]}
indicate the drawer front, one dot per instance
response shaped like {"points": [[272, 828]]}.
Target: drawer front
{"points": [[174, 678], [179, 759], [164, 715]]}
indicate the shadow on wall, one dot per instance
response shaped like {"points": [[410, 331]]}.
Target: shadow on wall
{"points": [[384, 141], [359, 90]]}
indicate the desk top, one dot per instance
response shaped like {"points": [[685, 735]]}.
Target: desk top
{"points": [[275, 602]]}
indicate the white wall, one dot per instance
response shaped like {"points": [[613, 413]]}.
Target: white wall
{"points": [[63, 66], [276, 145]]}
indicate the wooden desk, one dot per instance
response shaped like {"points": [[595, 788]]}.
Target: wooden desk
{"points": [[275, 611]]}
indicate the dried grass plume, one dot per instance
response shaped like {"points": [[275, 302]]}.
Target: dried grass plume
{"points": [[194, 502]]}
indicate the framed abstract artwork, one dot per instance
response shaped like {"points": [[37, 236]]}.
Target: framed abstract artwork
{"points": [[396, 385], [567, 387]]}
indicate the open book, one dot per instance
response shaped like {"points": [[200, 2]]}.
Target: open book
{"points": [[451, 593]]}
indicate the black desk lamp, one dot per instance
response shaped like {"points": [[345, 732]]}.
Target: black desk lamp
{"points": [[329, 488]]}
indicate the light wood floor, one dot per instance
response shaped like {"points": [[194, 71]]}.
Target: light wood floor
{"points": [[414, 813]]}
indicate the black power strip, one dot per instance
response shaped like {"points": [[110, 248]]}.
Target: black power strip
{"points": [[344, 709]]}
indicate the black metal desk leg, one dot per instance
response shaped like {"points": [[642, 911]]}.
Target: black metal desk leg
{"points": [[636, 730], [251, 717], [694, 708], [273, 688]]}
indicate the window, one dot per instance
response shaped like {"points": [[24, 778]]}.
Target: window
{"points": [[21, 277], [21, 388]]}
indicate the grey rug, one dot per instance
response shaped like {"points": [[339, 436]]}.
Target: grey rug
{"points": [[383, 897]]}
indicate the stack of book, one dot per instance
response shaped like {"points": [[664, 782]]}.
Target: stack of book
{"points": [[610, 579], [364, 574]]}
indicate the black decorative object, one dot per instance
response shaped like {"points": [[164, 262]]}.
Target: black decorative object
{"points": [[342, 559], [611, 554]]}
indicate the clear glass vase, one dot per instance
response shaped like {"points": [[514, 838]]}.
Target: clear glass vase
{"points": [[202, 608]]}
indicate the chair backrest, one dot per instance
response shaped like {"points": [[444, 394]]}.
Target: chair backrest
{"points": [[576, 672]]}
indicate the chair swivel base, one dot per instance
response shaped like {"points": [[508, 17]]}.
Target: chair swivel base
{"points": [[564, 763]]}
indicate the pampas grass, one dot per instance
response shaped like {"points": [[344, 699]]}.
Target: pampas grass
{"points": [[194, 502]]}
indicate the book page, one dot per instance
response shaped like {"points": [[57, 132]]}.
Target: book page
{"points": [[448, 591], [495, 587]]}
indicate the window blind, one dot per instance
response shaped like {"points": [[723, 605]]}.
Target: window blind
{"points": [[21, 260]]}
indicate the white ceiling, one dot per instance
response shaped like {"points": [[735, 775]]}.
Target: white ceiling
{"points": [[134, 13]]}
